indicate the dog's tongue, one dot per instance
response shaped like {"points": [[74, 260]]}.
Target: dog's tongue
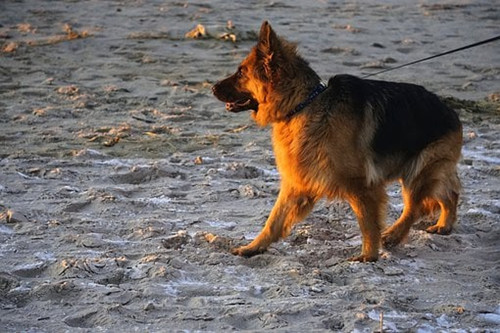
{"points": [[241, 103]]}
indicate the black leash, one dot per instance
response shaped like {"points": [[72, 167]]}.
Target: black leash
{"points": [[435, 56]]}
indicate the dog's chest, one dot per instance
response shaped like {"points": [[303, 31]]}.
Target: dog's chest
{"points": [[302, 162]]}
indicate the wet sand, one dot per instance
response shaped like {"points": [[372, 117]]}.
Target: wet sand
{"points": [[123, 182]]}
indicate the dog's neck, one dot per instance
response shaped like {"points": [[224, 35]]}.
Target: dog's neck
{"points": [[312, 95]]}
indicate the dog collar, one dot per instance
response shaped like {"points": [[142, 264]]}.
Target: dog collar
{"points": [[318, 90]]}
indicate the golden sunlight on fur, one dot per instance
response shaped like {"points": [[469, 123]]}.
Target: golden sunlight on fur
{"points": [[347, 141]]}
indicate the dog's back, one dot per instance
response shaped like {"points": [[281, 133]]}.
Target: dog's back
{"points": [[407, 116]]}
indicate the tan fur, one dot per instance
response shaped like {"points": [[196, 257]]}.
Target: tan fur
{"points": [[328, 154]]}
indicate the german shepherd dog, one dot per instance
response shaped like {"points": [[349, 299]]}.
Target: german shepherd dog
{"points": [[347, 140]]}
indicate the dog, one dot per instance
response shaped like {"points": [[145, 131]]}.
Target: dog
{"points": [[347, 140]]}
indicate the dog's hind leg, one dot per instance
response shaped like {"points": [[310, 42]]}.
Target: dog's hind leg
{"points": [[446, 195], [413, 210], [437, 183], [289, 209], [369, 205]]}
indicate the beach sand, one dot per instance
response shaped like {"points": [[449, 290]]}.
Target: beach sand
{"points": [[123, 182]]}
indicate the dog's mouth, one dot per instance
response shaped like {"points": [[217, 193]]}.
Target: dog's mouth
{"points": [[243, 104]]}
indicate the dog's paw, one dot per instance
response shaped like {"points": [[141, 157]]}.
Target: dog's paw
{"points": [[388, 241], [246, 251], [364, 258], [435, 229], [391, 238]]}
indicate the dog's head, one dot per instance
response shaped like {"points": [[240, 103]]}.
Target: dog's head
{"points": [[261, 77]]}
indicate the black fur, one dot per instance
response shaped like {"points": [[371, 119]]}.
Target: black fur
{"points": [[408, 116]]}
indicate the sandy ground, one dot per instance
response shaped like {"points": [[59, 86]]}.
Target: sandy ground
{"points": [[123, 182]]}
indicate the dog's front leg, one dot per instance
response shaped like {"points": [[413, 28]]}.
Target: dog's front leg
{"points": [[289, 209]]}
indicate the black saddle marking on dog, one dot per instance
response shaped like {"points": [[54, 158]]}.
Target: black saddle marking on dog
{"points": [[408, 116]]}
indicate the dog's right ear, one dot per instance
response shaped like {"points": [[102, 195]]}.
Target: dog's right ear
{"points": [[268, 49], [268, 40]]}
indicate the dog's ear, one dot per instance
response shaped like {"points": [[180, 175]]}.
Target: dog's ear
{"points": [[268, 49], [268, 41]]}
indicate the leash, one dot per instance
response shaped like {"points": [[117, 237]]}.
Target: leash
{"points": [[321, 87], [435, 56]]}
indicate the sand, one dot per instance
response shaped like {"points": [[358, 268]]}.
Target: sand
{"points": [[123, 182]]}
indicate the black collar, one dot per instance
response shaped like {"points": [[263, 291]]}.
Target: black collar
{"points": [[318, 90]]}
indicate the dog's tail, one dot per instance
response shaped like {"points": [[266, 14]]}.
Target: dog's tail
{"points": [[430, 207]]}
